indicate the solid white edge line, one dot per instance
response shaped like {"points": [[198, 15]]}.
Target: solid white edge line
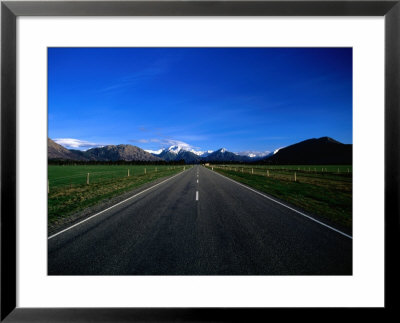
{"points": [[92, 216], [290, 208]]}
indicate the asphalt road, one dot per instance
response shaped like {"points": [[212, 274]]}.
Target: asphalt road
{"points": [[199, 223]]}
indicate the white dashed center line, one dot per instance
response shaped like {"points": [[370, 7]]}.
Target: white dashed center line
{"points": [[197, 195]]}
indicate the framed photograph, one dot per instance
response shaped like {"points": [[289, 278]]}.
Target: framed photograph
{"points": [[198, 160]]}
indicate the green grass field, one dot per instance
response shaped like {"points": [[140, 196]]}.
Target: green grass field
{"points": [[322, 190], [66, 175], [69, 192]]}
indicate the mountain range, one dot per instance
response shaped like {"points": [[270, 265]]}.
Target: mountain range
{"points": [[324, 150], [106, 153], [175, 153]]}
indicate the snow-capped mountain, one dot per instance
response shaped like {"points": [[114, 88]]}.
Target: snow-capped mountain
{"points": [[178, 152], [176, 149], [254, 154], [202, 153], [154, 152], [188, 154]]}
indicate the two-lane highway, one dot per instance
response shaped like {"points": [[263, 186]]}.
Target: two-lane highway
{"points": [[199, 223]]}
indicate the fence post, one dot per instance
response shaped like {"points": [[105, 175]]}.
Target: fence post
{"points": [[87, 179], [128, 172], [252, 171], [267, 173], [145, 170], [294, 176]]}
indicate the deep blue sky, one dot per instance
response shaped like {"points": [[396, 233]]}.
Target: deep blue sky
{"points": [[256, 99]]}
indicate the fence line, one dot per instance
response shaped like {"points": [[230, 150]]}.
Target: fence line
{"points": [[293, 174], [311, 170]]}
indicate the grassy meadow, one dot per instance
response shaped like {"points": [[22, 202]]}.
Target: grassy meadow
{"points": [[323, 190], [70, 190]]}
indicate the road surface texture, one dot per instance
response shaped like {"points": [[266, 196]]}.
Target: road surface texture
{"points": [[199, 223]]}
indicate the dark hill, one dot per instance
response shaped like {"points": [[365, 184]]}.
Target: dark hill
{"points": [[222, 155], [119, 152], [166, 155], [56, 151], [322, 151], [188, 157]]}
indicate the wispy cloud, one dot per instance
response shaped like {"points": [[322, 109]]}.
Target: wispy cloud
{"points": [[142, 141], [76, 143], [131, 80], [135, 78], [143, 129], [274, 138]]}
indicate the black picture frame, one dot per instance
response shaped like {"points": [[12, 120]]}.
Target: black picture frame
{"points": [[10, 10]]}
